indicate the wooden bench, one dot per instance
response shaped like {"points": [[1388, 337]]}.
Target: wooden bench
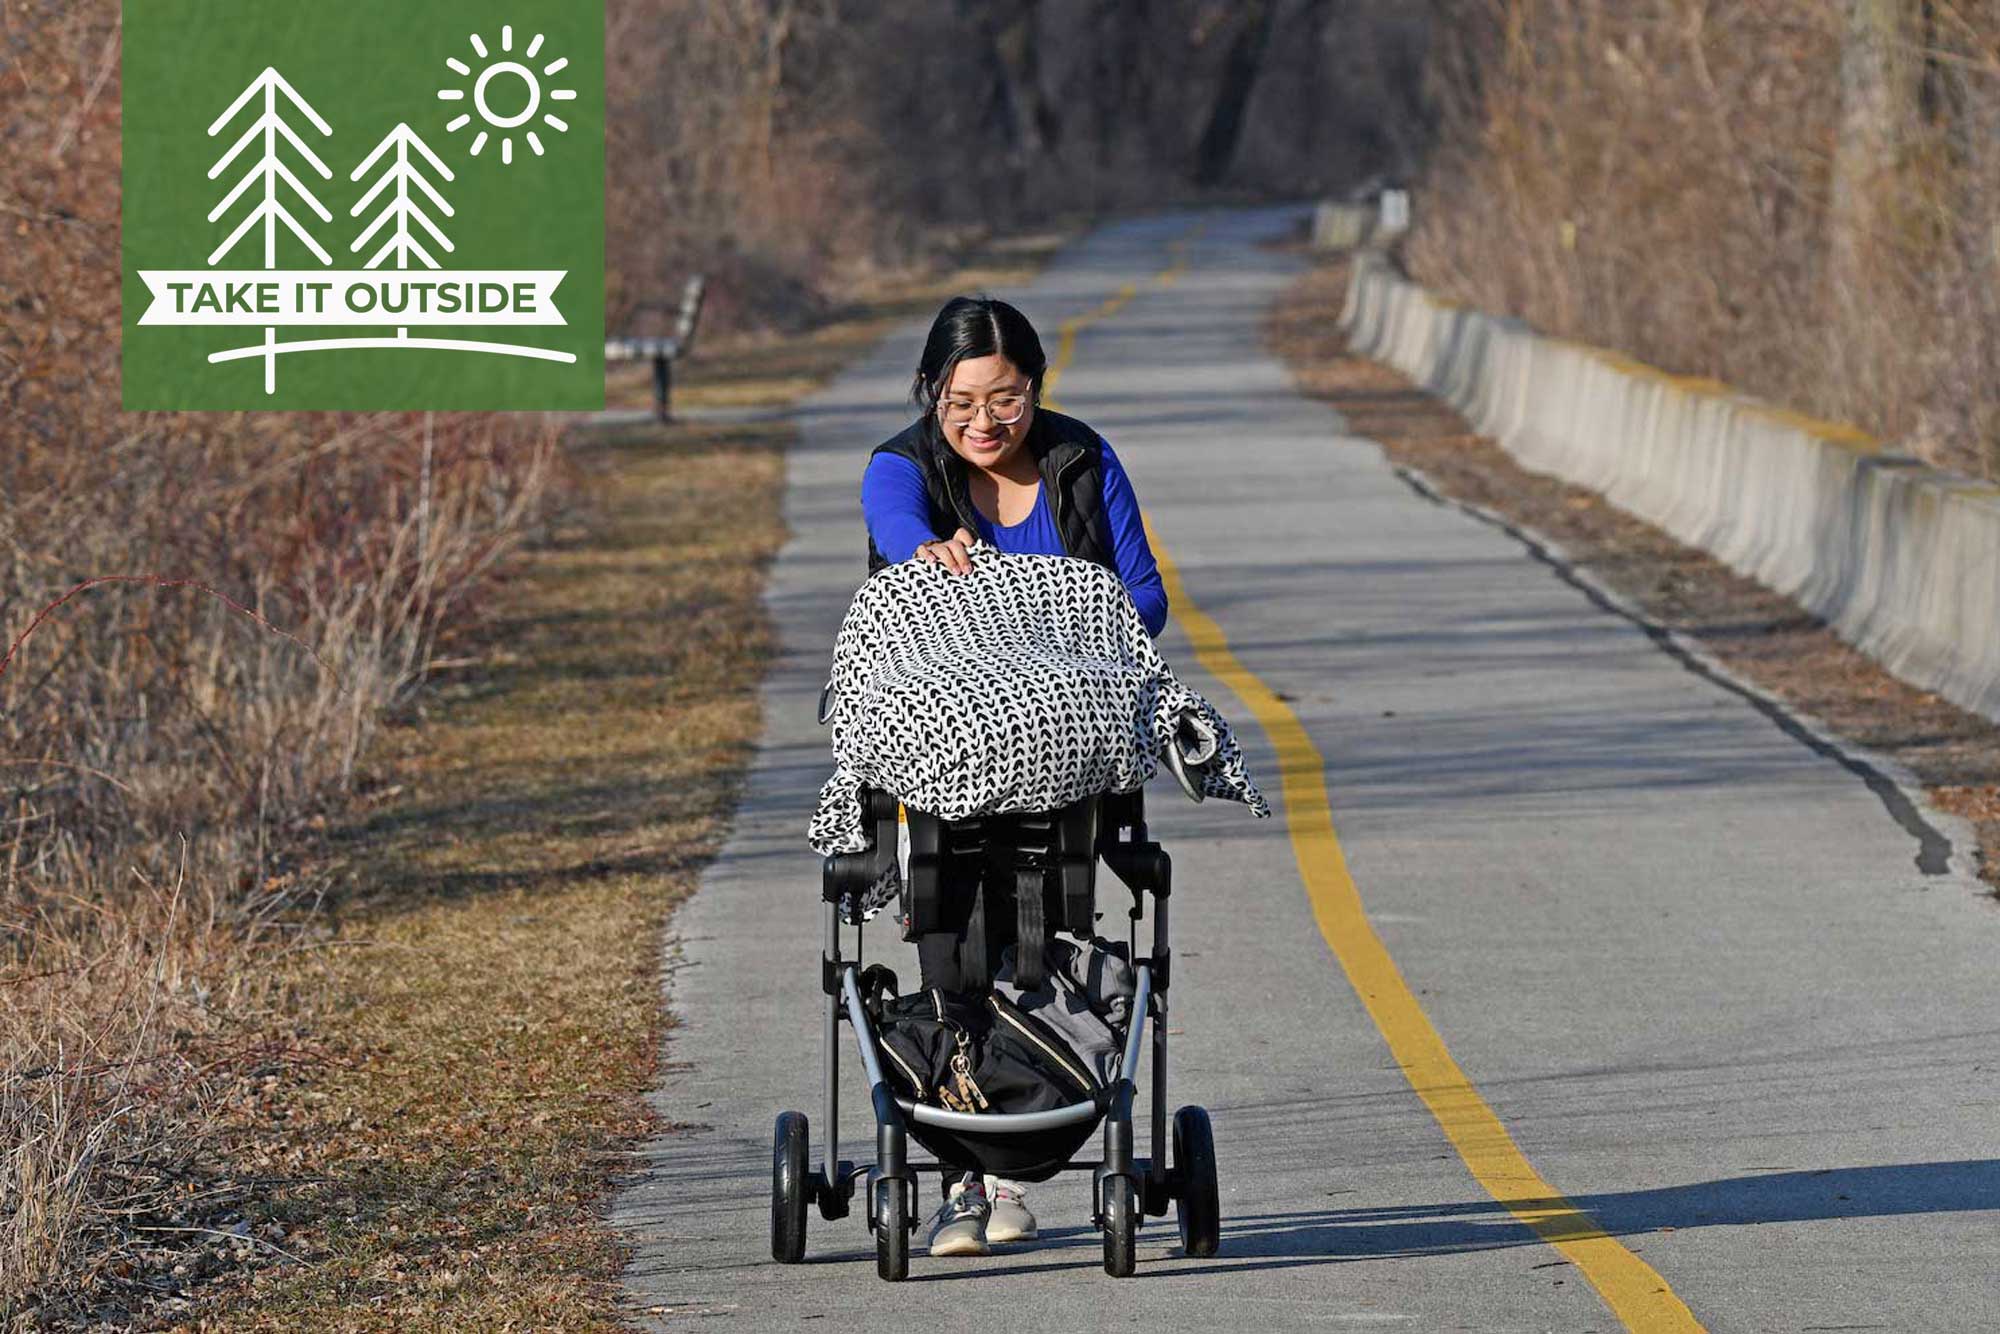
{"points": [[663, 352]]}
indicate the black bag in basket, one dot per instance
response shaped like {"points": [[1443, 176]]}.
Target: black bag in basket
{"points": [[984, 1055]]}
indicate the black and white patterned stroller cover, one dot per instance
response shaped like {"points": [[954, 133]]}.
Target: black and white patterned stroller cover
{"points": [[1026, 685]]}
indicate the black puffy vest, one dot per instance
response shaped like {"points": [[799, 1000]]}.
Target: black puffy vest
{"points": [[1071, 459]]}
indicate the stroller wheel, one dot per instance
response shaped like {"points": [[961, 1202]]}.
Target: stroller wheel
{"points": [[892, 1230], [1200, 1204], [790, 1187], [1121, 1227]]}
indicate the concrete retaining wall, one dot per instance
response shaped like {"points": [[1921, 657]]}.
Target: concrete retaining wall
{"points": [[1379, 220], [1341, 226], [1903, 561]]}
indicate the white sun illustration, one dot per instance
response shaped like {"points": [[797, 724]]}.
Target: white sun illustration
{"points": [[518, 83]]}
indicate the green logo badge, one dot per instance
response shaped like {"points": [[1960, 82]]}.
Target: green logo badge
{"points": [[364, 205]]}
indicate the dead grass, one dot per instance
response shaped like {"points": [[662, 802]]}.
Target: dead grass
{"points": [[1761, 636], [487, 1002]]}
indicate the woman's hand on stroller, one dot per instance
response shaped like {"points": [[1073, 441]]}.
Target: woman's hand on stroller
{"points": [[954, 552]]}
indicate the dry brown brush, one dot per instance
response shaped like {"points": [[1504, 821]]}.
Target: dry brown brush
{"points": [[1799, 197], [222, 608]]}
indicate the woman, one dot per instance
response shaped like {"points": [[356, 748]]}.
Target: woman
{"points": [[985, 461]]}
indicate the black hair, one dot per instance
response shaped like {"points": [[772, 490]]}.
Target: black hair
{"points": [[976, 326]]}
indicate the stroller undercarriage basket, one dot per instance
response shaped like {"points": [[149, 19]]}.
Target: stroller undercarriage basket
{"points": [[1038, 873], [986, 1055]]}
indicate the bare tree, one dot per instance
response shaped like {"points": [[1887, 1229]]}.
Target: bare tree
{"points": [[1240, 68], [1879, 84], [1037, 125]]}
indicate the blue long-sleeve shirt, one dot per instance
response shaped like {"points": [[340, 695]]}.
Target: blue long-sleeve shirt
{"points": [[897, 509]]}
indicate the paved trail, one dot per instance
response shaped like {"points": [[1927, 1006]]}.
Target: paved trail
{"points": [[1688, 963]]}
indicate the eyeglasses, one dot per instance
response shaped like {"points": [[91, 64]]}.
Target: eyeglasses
{"points": [[1004, 410]]}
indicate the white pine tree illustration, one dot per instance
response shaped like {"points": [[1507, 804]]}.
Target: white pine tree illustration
{"points": [[269, 171], [403, 208]]}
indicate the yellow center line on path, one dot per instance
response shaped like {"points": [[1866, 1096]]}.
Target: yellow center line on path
{"points": [[1634, 1291], [1066, 349]]}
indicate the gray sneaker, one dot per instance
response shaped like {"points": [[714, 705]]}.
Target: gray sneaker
{"points": [[1011, 1220], [959, 1226]]}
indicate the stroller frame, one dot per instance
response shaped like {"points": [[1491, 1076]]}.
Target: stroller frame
{"points": [[1124, 1187]]}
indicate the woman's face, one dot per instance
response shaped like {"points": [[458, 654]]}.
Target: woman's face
{"points": [[982, 390]]}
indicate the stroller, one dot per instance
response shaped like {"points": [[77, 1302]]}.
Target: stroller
{"points": [[1042, 865]]}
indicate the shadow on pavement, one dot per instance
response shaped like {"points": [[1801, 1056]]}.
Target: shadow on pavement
{"points": [[1776, 1197]]}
